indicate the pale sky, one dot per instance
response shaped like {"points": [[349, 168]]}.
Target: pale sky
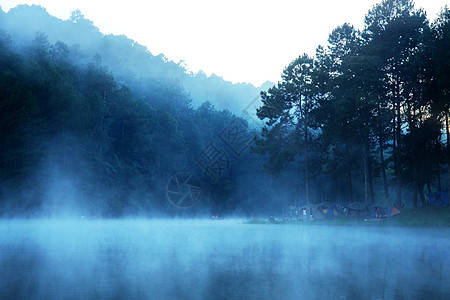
{"points": [[241, 40]]}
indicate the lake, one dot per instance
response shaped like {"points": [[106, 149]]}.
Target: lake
{"points": [[225, 259]]}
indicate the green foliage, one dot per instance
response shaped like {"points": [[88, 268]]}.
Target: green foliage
{"points": [[79, 113], [77, 120], [374, 101]]}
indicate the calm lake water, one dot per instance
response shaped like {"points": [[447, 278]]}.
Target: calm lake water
{"points": [[181, 259]]}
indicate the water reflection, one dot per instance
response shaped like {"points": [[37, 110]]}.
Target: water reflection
{"points": [[219, 260]]}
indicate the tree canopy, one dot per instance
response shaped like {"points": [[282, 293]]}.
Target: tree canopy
{"points": [[375, 103]]}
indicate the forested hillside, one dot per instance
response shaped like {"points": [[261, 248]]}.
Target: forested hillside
{"points": [[130, 62], [75, 140]]}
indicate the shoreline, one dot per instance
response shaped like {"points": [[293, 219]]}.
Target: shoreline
{"points": [[423, 217]]}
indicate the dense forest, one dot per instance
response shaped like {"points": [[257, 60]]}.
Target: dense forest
{"points": [[95, 124], [368, 116], [81, 135]]}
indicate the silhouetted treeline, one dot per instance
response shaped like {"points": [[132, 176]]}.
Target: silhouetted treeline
{"points": [[74, 140], [368, 117]]}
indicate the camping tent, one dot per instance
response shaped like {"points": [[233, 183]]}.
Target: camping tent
{"points": [[378, 211], [314, 211], [329, 209]]}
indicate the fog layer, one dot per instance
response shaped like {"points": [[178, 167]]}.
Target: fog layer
{"points": [[219, 260]]}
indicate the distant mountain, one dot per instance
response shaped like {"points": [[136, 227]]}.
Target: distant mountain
{"points": [[129, 61]]}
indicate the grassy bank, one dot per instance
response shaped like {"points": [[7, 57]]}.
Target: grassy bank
{"points": [[409, 217]]}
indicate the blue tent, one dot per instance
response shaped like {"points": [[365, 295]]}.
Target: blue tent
{"points": [[330, 210], [439, 198]]}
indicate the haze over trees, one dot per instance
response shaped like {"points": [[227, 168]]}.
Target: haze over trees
{"points": [[130, 62], [374, 106], [94, 123], [98, 125]]}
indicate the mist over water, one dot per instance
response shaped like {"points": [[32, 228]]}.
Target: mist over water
{"points": [[202, 259], [95, 125]]}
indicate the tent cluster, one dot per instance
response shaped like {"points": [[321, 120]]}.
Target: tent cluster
{"points": [[328, 210], [372, 213], [309, 212]]}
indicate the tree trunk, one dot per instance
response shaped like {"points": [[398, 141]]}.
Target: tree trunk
{"points": [[439, 176], [368, 191], [398, 171], [366, 181], [448, 151], [371, 193], [307, 164], [339, 192], [382, 162], [394, 149], [422, 196], [415, 175], [383, 170], [349, 173], [415, 196], [412, 128]]}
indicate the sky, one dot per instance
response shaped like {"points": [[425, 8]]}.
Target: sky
{"points": [[240, 40]]}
